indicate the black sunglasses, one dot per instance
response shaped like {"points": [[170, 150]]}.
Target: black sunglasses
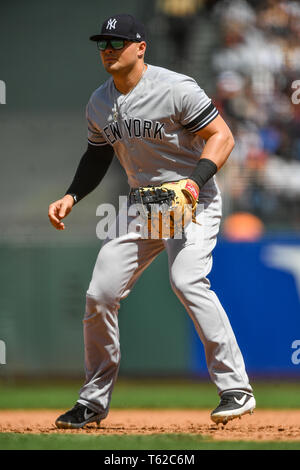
{"points": [[115, 44]]}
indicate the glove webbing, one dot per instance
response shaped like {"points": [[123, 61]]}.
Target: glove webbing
{"points": [[153, 195]]}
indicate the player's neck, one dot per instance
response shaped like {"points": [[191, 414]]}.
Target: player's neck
{"points": [[126, 81]]}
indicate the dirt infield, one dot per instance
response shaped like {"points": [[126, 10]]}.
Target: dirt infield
{"points": [[267, 425]]}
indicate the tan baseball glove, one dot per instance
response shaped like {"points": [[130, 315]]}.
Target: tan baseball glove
{"points": [[168, 208]]}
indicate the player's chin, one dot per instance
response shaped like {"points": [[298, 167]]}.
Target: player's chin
{"points": [[110, 65]]}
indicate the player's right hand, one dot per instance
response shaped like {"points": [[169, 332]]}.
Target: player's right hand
{"points": [[60, 209]]}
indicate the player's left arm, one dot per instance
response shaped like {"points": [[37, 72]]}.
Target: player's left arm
{"points": [[219, 143]]}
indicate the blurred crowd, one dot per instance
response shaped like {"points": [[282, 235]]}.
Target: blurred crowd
{"points": [[257, 67], [246, 54]]}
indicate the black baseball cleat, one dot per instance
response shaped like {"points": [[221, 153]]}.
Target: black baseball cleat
{"points": [[233, 405], [77, 417]]}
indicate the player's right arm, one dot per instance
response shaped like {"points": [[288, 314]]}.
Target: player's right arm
{"points": [[91, 170]]}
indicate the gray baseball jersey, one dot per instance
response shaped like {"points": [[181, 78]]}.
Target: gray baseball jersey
{"points": [[153, 128]]}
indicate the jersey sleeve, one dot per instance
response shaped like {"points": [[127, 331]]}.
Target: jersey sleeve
{"points": [[195, 109], [95, 136]]}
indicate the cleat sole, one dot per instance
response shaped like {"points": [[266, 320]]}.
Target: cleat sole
{"points": [[224, 419], [68, 425]]}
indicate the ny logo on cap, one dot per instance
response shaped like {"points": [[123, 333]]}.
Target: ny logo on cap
{"points": [[111, 24]]}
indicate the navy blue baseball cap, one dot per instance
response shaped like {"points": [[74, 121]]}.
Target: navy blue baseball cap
{"points": [[121, 26]]}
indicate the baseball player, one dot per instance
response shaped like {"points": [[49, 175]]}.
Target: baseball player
{"points": [[163, 128]]}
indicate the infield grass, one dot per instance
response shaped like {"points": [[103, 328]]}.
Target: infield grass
{"points": [[12, 441], [144, 394]]}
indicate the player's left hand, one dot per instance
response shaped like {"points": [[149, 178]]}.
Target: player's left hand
{"points": [[191, 191]]}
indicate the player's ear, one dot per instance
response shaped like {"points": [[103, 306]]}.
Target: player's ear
{"points": [[141, 49]]}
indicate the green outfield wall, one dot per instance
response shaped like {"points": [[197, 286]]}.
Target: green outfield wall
{"points": [[42, 305]]}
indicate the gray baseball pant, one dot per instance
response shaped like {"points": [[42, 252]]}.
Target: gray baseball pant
{"points": [[120, 263]]}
